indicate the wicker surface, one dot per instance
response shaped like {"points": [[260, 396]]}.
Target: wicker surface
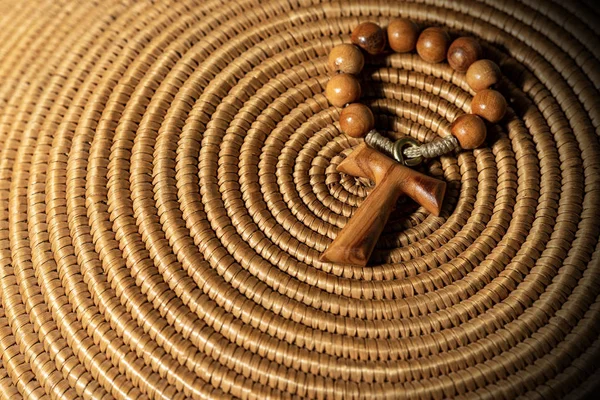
{"points": [[167, 183]]}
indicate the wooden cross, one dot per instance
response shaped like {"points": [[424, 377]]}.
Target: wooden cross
{"points": [[356, 241]]}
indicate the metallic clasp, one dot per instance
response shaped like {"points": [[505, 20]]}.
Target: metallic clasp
{"points": [[399, 147]]}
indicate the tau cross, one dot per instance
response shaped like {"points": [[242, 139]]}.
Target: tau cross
{"points": [[356, 241]]}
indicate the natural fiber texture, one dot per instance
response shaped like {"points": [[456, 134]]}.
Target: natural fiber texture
{"points": [[168, 181]]}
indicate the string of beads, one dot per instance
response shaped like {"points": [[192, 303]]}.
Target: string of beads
{"points": [[433, 45]]}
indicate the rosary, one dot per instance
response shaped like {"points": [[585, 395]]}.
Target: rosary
{"points": [[385, 162]]}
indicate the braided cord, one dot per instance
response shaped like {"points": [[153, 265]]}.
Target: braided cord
{"points": [[379, 142], [433, 149]]}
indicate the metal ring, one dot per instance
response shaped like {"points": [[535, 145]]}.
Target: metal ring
{"points": [[399, 147]]}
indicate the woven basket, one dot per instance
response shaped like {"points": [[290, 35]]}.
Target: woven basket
{"points": [[168, 181]]}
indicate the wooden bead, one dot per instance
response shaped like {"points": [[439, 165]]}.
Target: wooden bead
{"points": [[463, 52], [489, 104], [482, 74], [402, 35], [370, 37], [342, 89], [470, 131], [433, 44], [346, 58], [356, 120]]}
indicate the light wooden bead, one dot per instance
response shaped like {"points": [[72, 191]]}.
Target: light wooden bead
{"points": [[463, 52], [489, 104], [370, 37], [342, 89], [346, 58], [482, 74], [356, 120], [402, 35], [432, 45], [470, 131]]}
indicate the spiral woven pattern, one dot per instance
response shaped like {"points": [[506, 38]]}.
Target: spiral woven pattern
{"points": [[168, 181]]}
